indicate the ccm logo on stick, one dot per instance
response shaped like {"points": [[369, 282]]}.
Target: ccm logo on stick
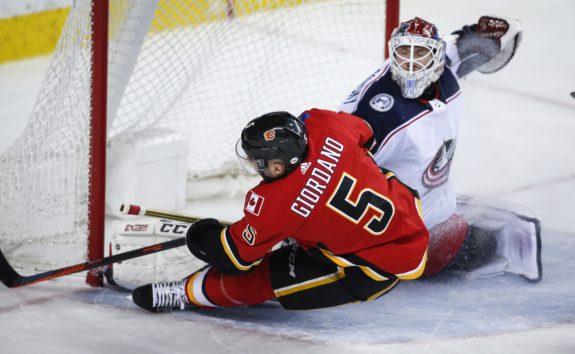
{"points": [[178, 229]]}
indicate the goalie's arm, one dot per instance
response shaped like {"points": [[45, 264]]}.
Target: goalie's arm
{"points": [[486, 46]]}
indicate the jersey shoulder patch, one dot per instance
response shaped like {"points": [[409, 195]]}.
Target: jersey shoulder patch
{"points": [[382, 102], [254, 203], [384, 108]]}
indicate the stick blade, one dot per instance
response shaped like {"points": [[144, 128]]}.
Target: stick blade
{"points": [[8, 275]]}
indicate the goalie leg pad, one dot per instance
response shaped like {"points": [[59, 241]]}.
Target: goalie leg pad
{"points": [[518, 237], [520, 245]]}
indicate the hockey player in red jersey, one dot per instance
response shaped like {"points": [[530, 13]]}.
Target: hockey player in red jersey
{"points": [[413, 103], [358, 228]]}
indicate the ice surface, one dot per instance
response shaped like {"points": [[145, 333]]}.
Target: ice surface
{"points": [[516, 145], [504, 314]]}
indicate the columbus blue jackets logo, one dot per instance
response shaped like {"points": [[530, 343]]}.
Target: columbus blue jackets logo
{"points": [[437, 173], [382, 102]]}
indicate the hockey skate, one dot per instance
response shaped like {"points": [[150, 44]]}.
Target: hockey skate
{"points": [[506, 240], [162, 297]]}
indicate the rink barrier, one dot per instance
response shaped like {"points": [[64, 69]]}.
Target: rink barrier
{"points": [[36, 33]]}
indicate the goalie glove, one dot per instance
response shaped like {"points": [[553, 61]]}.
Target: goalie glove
{"points": [[199, 233], [488, 45]]}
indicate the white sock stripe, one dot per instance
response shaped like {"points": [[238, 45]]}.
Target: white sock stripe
{"points": [[197, 287]]}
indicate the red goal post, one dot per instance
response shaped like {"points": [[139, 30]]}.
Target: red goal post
{"points": [[392, 20], [98, 137], [167, 80]]}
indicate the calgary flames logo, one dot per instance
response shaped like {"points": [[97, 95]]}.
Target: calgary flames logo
{"points": [[270, 135]]}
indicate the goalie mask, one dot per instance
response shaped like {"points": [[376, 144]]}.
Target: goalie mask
{"points": [[417, 56], [276, 135]]}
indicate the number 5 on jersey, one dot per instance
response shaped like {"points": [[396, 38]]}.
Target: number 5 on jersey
{"points": [[355, 211]]}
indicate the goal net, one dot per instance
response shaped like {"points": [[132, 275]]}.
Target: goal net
{"points": [[184, 76]]}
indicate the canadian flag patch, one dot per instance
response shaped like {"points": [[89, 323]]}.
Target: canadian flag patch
{"points": [[254, 203]]}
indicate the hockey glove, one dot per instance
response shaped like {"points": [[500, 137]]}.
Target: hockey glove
{"points": [[199, 233], [488, 45]]}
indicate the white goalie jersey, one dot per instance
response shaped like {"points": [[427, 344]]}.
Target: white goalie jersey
{"points": [[414, 138]]}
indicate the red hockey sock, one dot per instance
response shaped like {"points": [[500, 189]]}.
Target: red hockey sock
{"points": [[445, 241], [223, 290]]}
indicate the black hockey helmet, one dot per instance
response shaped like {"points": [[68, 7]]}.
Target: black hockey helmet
{"points": [[275, 135]]}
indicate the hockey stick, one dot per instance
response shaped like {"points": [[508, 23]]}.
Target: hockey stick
{"points": [[132, 209], [12, 279]]}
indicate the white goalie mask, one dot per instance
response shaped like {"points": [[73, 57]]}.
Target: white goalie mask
{"points": [[417, 56]]}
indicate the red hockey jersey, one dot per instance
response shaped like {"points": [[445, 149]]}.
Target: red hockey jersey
{"points": [[337, 201]]}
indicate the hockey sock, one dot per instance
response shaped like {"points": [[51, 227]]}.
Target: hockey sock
{"points": [[211, 288], [445, 241]]}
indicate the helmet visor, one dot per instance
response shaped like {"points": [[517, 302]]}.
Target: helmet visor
{"points": [[250, 165]]}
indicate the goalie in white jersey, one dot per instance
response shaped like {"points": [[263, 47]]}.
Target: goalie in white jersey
{"points": [[414, 105]]}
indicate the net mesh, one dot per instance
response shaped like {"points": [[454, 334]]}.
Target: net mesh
{"points": [[205, 73], [44, 174], [202, 68]]}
